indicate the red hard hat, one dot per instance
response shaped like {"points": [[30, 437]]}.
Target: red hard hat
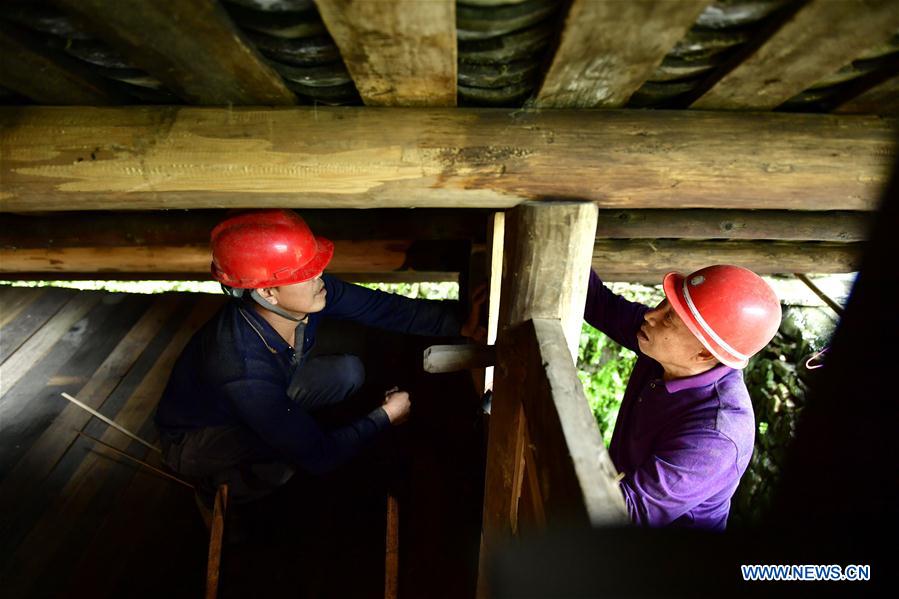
{"points": [[731, 310], [267, 248]]}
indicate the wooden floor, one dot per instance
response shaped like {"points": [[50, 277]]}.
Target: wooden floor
{"points": [[77, 521]]}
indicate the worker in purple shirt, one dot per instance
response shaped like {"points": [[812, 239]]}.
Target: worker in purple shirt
{"points": [[685, 430], [241, 402]]}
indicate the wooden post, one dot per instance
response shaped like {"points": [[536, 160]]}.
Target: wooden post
{"points": [[547, 254], [216, 537]]}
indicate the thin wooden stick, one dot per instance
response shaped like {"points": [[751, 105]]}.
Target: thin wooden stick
{"points": [[817, 291], [216, 536], [111, 423], [134, 459]]}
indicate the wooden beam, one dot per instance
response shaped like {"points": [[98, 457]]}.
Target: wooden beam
{"points": [[880, 99], [622, 259], [568, 458], [161, 158], [783, 225], [375, 256], [592, 70], [452, 358], [193, 227], [545, 260], [399, 52], [31, 68], [190, 45], [794, 57]]}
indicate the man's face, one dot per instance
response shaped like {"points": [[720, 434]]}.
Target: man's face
{"points": [[302, 298], [665, 338]]}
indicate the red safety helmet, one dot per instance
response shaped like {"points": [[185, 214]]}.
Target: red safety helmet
{"points": [[731, 310], [267, 248]]}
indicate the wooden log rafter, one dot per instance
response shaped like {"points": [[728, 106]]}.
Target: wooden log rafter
{"points": [[152, 158], [609, 49], [399, 52], [784, 65], [883, 98], [190, 45]]}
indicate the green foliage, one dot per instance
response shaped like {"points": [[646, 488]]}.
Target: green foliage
{"points": [[604, 367], [439, 291]]}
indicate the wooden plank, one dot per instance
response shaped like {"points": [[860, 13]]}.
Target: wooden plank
{"points": [[15, 300], [591, 70], [793, 58], [781, 225], [47, 76], [32, 405], [399, 52], [216, 542], [657, 257], [48, 536], [574, 474], [17, 365], [545, 260], [189, 45], [880, 99], [31, 319], [43, 455], [350, 256], [163, 158]]}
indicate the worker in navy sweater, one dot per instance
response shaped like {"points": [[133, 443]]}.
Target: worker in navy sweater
{"points": [[239, 405], [685, 430]]}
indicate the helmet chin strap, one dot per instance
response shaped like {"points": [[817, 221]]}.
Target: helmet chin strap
{"points": [[273, 308]]}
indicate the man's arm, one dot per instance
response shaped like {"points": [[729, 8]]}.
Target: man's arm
{"points": [[265, 408], [682, 473], [389, 311], [615, 316]]}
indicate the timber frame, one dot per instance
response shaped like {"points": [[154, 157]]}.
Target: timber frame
{"points": [[468, 140]]}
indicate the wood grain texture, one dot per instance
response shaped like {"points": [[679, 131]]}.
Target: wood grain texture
{"points": [[162, 158], [373, 256], [50, 532], [399, 52], [43, 455], [190, 45], [17, 365], [547, 251], [36, 71], [880, 99], [609, 48], [783, 225], [615, 258], [576, 477], [816, 41]]}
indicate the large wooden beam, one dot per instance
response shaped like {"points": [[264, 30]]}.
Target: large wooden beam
{"points": [[545, 261], [189, 45], [36, 71], [572, 471], [193, 227], [609, 48], [399, 52], [782, 225], [650, 259], [152, 158], [816, 41], [350, 256]]}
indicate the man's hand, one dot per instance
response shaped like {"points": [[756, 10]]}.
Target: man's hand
{"points": [[473, 329], [397, 406]]}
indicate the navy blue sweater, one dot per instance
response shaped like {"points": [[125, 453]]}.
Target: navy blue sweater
{"points": [[227, 375]]}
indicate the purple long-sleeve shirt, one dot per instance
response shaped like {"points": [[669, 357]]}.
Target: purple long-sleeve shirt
{"points": [[682, 444]]}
